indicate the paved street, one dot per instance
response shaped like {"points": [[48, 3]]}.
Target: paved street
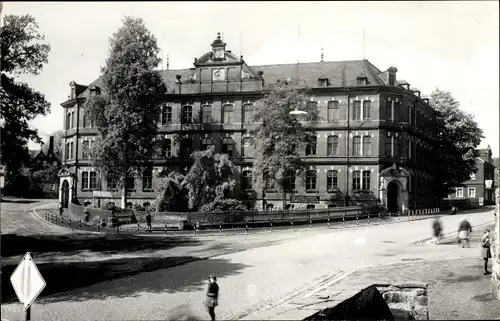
{"points": [[255, 272]]}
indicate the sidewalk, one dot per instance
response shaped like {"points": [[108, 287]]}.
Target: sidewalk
{"points": [[457, 287]]}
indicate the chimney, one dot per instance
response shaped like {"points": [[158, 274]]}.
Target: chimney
{"points": [[51, 146], [392, 75]]}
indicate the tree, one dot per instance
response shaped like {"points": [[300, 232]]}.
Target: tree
{"points": [[496, 162], [58, 144], [127, 108], [171, 194], [459, 135], [21, 53], [211, 177], [280, 136]]}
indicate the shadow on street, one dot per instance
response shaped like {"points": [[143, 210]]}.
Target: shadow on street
{"points": [[61, 278], [13, 244]]}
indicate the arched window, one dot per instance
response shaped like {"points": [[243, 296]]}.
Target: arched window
{"points": [[333, 110], [247, 146], [367, 109], [147, 180], [356, 108], [356, 145], [367, 145], [331, 181], [332, 145], [206, 113], [206, 142], [227, 113], [311, 181], [246, 181], [311, 147], [166, 115], [187, 114], [166, 148], [228, 146]]}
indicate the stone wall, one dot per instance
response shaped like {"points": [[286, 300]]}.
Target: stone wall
{"points": [[495, 250], [406, 300]]}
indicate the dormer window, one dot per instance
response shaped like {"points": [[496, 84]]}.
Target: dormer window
{"points": [[362, 80], [323, 82]]}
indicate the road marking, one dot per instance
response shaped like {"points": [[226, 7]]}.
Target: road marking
{"points": [[340, 277]]}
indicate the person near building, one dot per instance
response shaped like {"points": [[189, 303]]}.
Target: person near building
{"points": [[486, 250], [212, 295], [464, 230], [148, 222], [437, 229], [60, 208]]}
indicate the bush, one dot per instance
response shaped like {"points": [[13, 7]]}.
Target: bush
{"points": [[225, 205], [138, 207], [109, 206]]}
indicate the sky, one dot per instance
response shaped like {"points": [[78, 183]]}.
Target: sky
{"points": [[453, 46]]}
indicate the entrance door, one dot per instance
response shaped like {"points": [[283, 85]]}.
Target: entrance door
{"points": [[393, 197], [65, 194]]}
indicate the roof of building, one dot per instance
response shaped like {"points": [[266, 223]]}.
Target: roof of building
{"points": [[339, 73]]}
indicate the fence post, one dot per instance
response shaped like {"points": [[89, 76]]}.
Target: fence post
{"points": [[69, 222], [357, 219], [220, 227], [310, 223], [246, 226], [368, 218], [165, 228], [399, 215], [62, 221], [117, 229], [291, 223], [271, 225], [99, 226], [379, 218], [328, 220], [80, 224], [390, 218], [138, 227], [343, 220]]}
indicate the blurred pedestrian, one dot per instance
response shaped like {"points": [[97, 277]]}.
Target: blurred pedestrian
{"points": [[453, 210], [60, 208], [486, 250], [464, 230], [87, 215], [212, 296], [437, 229], [148, 222]]}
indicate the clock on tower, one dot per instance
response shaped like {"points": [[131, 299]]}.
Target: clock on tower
{"points": [[219, 53]]}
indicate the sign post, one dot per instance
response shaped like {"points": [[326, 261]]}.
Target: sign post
{"points": [[28, 283]]}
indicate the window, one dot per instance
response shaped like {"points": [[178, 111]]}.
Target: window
{"points": [[71, 150], [86, 149], [310, 206], [68, 121], [206, 142], [356, 180], [93, 180], [471, 191], [397, 147], [187, 115], [227, 146], [247, 146], [290, 180], [459, 192], [410, 112], [323, 82], [206, 113], [388, 146], [331, 181], [356, 109], [248, 110], [73, 123], [362, 81], [166, 148], [367, 109], [333, 110], [367, 145], [366, 180], [408, 148], [111, 183], [311, 147], [85, 180], [388, 110], [186, 147], [356, 145], [130, 183], [312, 105], [147, 180], [397, 111], [311, 181], [227, 111], [332, 145], [66, 151], [268, 183], [84, 119], [166, 115], [246, 181], [472, 176]]}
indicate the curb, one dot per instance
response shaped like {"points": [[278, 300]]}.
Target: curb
{"points": [[59, 226]]}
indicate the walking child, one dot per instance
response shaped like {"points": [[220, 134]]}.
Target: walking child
{"points": [[212, 296], [486, 250]]}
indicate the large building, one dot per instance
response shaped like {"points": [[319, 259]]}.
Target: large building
{"points": [[375, 138], [481, 184]]}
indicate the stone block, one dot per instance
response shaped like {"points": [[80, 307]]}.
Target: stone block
{"points": [[420, 313], [421, 292], [412, 284], [422, 300]]}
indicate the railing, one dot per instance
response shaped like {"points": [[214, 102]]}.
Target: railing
{"points": [[423, 213]]}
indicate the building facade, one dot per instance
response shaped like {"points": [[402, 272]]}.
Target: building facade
{"points": [[481, 184], [375, 136]]}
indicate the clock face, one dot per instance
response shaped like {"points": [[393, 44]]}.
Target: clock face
{"points": [[218, 74], [219, 53]]}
